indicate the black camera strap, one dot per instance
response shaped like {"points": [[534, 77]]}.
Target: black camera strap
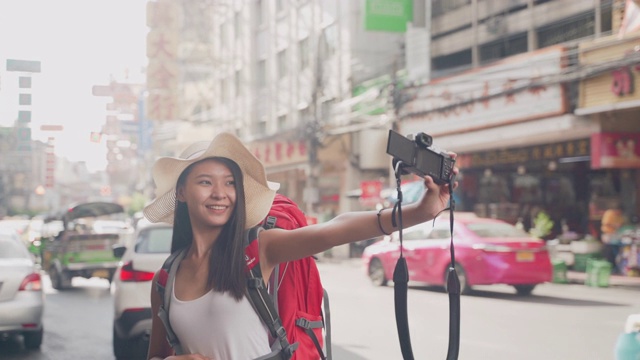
{"points": [[401, 280]]}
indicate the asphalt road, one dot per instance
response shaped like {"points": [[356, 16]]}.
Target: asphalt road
{"points": [[558, 322]]}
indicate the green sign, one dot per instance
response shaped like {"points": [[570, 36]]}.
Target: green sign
{"points": [[388, 15]]}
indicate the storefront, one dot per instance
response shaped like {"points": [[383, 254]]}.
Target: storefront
{"points": [[520, 150], [612, 100], [515, 184]]}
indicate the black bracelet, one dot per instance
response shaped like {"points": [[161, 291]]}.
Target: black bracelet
{"points": [[380, 224]]}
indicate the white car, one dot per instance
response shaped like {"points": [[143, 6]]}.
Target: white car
{"points": [[131, 287], [21, 296]]}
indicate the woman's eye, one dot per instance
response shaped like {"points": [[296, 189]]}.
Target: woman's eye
{"points": [[231, 182], [205, 182]]}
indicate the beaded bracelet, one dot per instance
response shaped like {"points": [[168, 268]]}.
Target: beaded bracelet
{"points": [[380, 224]]}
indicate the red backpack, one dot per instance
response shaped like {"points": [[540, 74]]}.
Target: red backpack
{"points": [[298, 326]]}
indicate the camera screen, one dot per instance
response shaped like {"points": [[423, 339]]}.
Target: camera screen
{"points": [[400, 147], [429, 162]]}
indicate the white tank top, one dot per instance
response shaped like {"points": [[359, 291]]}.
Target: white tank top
{"points": [[218, 326]]}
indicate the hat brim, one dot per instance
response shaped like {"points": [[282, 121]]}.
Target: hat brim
{"points": [[259, 193]]}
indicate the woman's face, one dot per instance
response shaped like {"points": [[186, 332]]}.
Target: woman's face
{"points": [[210, 194]]}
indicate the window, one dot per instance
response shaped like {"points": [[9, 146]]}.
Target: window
{"points": [[440, 233], [580, 26], [10, 248], [237, 25], [303, 52], [223, 35], [237, 79], [224, 91], [155, 240], [282, 64], [495, 230], [261, 73], [261, 15], [304, 115], [282, 122], [261, 127], [329, 40], [415, 234]]}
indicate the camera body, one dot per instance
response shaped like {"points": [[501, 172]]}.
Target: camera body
{"points": [[419, 157]]}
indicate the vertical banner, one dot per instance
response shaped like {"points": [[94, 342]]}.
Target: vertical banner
{"points": [[162, 52], [388, 15]]}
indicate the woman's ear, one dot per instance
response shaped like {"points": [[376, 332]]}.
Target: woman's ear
{"points": [[180, 194]]}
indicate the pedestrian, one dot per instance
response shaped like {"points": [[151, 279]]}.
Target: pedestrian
{"points": [[212, 194], [612, 219]]}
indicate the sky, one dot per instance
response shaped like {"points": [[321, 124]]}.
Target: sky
{"points": [[80, 43]]}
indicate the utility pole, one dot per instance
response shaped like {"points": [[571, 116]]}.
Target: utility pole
{"points": [[313, 124]]}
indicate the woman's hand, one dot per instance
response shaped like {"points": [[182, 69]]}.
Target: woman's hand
{"points": [[436, 197]]}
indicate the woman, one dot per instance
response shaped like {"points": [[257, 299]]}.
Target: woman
{"points": [[212, 193]]}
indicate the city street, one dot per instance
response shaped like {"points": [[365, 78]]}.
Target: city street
{"points": [[558, 322]]}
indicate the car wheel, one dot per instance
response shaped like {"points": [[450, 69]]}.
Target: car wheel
{"points": [[56, 282], [465, 288], [524, 289], [376, 273], [59, 280], [33, 339], [121, 347]]}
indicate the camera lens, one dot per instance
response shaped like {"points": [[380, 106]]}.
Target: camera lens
{"points": [[424, 140]]}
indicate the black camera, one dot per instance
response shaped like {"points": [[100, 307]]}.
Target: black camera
{"points": [[419, 157]]}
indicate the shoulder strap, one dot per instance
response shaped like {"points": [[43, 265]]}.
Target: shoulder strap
{"points": [[259, 298], [167, 275]]}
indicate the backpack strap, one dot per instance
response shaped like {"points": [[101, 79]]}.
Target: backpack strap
{"points": [[327, 321], [165, 289], [261, 301], [307, 326]]}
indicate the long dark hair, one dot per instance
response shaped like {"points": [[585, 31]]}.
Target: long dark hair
{"points": [[226, 261]]}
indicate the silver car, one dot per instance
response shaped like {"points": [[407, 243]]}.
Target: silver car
{"points": [[21, 296]]}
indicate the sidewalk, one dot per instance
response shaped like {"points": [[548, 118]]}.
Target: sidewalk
{"points": [[614, 280]]}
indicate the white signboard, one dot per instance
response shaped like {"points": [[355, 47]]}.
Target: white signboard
{"points": [[500, 94]]}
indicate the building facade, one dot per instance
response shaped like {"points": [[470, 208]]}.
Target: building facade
{"points": [[280, 75], [512, 92]]}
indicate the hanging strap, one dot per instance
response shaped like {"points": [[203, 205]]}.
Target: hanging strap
{"points": [[453, 288], [401, 281]]}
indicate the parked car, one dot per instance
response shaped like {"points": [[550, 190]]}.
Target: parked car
{"points": [[77, 249], [21, 296], [487, 251], [131, 287]]}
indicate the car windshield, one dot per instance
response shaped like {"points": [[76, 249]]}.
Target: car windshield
{"points": [[494, 230], [12, 249], [154, 240]]}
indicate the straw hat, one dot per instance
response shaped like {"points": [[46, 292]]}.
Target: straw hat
{"points": [[259, 193]]}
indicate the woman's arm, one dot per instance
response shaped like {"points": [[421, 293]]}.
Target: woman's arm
{"points": [[278, 246]]}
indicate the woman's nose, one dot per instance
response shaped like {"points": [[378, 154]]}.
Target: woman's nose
{"points": [[217, 192]]}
